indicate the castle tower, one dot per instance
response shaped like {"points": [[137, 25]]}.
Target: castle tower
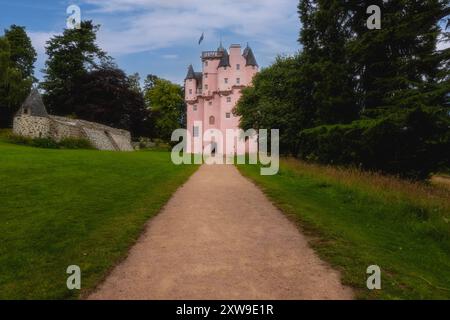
{"points": [[212, 94]]}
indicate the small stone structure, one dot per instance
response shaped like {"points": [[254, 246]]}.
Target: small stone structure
{"points": [[33, 121]]}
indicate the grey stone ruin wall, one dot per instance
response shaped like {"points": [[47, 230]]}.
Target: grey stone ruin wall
{"points": [[99, 139], [123, 141], [58, 128], [32, 127], [63, 130]]}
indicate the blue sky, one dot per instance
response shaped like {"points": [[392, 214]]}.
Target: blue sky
{"points": [[160, 36]]}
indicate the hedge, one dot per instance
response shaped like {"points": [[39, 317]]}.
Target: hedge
{"points": [[411, 144]]}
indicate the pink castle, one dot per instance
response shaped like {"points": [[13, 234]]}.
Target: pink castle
{"points": [[212, 94]]}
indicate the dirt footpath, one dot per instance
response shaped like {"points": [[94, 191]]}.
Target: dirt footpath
{"points": [[219, 237]]}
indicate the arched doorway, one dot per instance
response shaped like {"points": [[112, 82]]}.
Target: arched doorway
{"points": [[213, 148]]}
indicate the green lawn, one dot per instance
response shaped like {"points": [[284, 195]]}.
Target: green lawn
{"points": [[74, 207], [357, 219]]}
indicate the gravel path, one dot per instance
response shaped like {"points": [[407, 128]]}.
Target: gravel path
{"points": [[219, 237]]}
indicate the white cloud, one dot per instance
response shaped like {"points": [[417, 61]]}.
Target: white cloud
{"points": [[130, 26], [39, 39], [443, 44]]}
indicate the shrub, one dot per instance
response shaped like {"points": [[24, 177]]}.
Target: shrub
{"points": [[73, 143], [44, 143], [47, 143], [411, 144], [5, 133], [16, 139]]}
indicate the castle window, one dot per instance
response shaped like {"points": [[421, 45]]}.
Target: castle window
{"points": [[206, 76], [206, 87], [228, 115], [238, 80], [190, 91], [238, 67], [210, 103], [228, 99], [206, 63], [195, 107], [195, 132], [226, 80], [212, 120]]}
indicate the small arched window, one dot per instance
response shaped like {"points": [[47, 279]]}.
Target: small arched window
{"points": [[212, 120]]}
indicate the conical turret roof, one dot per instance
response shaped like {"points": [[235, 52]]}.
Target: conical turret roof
{"points": [[33, 105], [225, 60], [249, 57], [221, 48], [191, 73]]}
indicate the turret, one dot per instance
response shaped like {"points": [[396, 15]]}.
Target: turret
{"points": [[251, 66], [210, 60], [225, 60], [190, 85], [250, 59]]}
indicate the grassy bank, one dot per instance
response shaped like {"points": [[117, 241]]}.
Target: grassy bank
{"points": [[358, 219], [74, 207]]}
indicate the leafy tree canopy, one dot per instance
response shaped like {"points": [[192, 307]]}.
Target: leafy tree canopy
{"points": [[17, 57], [70, 56], [106, 95], [166, 103], [23, 55]]}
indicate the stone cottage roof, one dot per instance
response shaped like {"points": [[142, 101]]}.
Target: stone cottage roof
{"points": [[33, 105]]}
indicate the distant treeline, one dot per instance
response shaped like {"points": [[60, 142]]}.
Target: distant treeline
{"points": [[82, 81]]}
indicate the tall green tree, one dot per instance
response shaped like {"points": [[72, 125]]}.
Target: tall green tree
{"points": [[23, 55], [106, 95], [17, 57], [398, 66], [393, 81], [324, 35], [273, 102], [70, 57], [166, 102], [135, 82], [5, 54], [149, 81], [398, 78]]}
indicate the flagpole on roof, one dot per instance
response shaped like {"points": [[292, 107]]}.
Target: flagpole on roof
{"points": [[201, 38]]}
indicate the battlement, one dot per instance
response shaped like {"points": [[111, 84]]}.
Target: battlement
{"points": [[211, 54]]}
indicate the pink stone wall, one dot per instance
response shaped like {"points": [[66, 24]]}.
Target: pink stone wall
{"points": [[218, 96], [190, 90]]}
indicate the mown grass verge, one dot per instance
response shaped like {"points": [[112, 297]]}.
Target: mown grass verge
{"points": [[74, 207], [357, 219]]}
